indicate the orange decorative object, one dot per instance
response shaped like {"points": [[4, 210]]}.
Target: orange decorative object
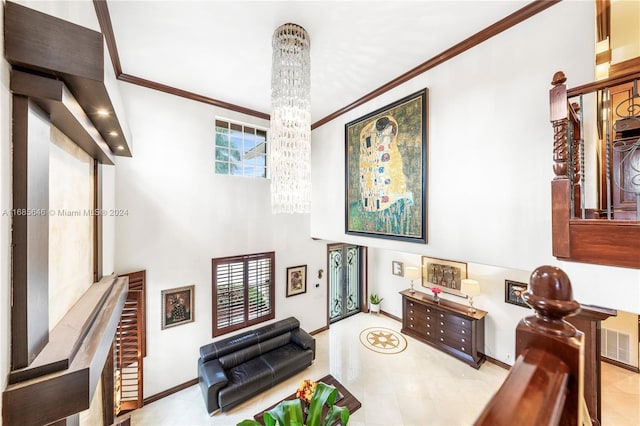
{"points": [[306, 389]]}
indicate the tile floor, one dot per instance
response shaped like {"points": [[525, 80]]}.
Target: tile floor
{"points": [[420, 386]]}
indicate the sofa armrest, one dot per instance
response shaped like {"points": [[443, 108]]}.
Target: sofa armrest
{"points": [[212, 378], [304, 340]]}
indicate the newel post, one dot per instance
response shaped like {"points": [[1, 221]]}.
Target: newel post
{"points": [[551, 296], [561, 185]]}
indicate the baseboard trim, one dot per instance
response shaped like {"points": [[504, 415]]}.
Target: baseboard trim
{"points": [[620, 364], [498, 362], [387, 314], [170, 391], [320, 330]]}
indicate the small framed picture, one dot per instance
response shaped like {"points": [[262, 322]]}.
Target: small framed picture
{"points": [[296, 280], [177, 306], [513, 291], [397, 268]]}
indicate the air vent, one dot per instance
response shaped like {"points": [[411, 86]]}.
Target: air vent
{"points": [[615, 345]]}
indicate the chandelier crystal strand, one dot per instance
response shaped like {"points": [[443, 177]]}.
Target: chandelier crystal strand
{"points": [[290, 155]]}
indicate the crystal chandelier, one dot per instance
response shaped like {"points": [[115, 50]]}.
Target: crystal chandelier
{"points": [[290, 138]]}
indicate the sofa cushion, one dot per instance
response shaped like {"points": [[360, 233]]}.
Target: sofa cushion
{"points": [[287, 360], [238, 357], [271, 330], [275, 342], [245, 380], [229, 345]]}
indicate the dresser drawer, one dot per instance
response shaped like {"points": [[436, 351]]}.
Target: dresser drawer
{"points": [[414, 321], [455, 343], [457, 321]]}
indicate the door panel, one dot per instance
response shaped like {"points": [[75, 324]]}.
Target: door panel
{"points": [[344, 281]]}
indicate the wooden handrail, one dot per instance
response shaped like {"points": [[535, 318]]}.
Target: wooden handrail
{"points": [[533, 393], [545, 385]]}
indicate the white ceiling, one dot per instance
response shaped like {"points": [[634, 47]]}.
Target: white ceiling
{"points": [[222, 49]]}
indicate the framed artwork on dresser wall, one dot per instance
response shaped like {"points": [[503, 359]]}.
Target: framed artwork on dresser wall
{"points": [[447, 275], [513, 291], [386, 171]]}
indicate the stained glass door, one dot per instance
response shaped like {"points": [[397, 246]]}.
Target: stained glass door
{"points": [[344, 281]]}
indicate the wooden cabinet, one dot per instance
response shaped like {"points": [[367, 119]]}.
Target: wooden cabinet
{"points": [[445, 325]]}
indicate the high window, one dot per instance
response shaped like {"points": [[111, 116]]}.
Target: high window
{"points": [[243, 291], [241, 150]]}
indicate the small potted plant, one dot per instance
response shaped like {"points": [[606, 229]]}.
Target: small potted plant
{"points": [[375, 300]]}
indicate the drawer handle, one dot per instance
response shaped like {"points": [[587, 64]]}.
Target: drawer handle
{"points": [[442, 339], [441, 323], [441, 315], [463, 340], [464, 332], [411, 325], [411, 318], [428, 310], [428, 325], [441, 331], [428, 317], [428, 333], [410, 303], [411, 311], [463, 349], [463, 323]]}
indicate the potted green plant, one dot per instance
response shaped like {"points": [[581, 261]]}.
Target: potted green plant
{"points": [[375, 300], [290, 412]]}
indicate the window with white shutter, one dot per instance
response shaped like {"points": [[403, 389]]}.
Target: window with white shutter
{"points": [[243, 291]]}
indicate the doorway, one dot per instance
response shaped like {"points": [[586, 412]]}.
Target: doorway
{"points": [[345, 280]]}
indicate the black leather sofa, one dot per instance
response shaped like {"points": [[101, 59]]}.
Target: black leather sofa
{"points": [[234, 369]]}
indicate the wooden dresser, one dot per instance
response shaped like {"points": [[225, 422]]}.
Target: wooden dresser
{"points": [[445, 325]]}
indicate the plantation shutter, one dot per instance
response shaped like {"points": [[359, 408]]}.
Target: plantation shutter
{"points": [[130, 346], [128, 354], [137, 281], [243, 292], [258, 283], [230, 294]]}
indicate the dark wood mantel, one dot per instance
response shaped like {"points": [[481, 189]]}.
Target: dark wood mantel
{"points": [[63, 378]]}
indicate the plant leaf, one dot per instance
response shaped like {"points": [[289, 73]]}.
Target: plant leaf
{"points": [[336, 413], [248, 423], [287, 413], [324, 394]]}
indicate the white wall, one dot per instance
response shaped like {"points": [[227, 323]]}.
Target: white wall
{"points": [[181, 215], [5, 220], [489, 171]]}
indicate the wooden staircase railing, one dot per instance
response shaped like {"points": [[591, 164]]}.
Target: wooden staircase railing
{"points": [[545, 385], [612, 242]]}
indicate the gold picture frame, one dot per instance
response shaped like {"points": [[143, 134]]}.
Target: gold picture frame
{"points": [[446, 275], [178, 306]]}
